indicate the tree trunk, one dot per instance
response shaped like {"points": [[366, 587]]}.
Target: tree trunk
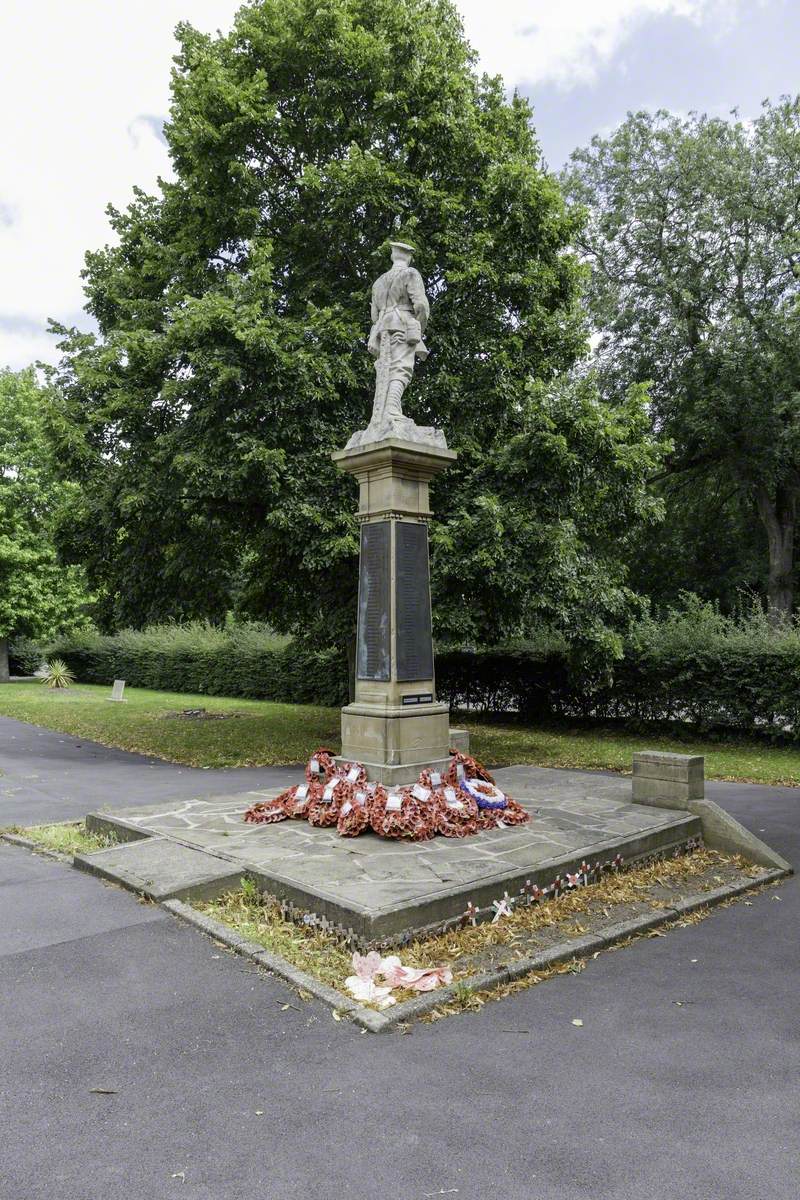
{"points": [[778, 513], [4, 672]]}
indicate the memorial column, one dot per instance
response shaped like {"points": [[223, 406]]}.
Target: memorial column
{"points": [[395, 726]]}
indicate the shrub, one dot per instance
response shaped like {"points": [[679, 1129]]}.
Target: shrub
{"points": [[692, 666], [236, 660], [58, 675], [526, 679], [25, 656], [698, 666]]}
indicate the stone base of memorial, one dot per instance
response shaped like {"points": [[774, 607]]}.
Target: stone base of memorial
{"points": [[383, 892], [395, 725]]}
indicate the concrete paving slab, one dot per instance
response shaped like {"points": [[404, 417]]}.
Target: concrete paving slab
{"points": [[161, 869]]}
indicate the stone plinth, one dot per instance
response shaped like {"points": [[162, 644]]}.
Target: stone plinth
{"points": [[395, 726], [667, 780]]}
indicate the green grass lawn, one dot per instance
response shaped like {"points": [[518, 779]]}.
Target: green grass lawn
{"points": [[260, 733], [66, 837], [612, 749], [247, 733]]}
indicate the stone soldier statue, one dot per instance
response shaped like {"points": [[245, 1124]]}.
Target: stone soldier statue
{"points": [[399, 314]]}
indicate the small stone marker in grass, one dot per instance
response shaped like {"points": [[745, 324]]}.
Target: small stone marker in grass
{"points": [[116, 692]]}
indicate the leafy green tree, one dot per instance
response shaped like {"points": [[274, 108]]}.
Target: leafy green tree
{"points": [[544, 536], [694, 244], [231, 358], [38, 596], [710, 545]]}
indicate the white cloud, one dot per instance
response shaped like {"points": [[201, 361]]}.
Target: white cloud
{"points": [[84, 84], [25, 344], [80, 86], [567, 41]]}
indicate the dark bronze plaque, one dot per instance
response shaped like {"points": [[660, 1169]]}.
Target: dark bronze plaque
{"points": [[373, 658], [413, 602]]}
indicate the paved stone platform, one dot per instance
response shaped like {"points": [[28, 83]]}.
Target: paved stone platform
{"points": [[378, 888], [163, 869]]}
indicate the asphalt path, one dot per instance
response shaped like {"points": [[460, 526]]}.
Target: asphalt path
{"points": [[48, 776], [681, 1082]]}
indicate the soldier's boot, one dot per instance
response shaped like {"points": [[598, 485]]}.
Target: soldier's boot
{"points": [[394, 394]]}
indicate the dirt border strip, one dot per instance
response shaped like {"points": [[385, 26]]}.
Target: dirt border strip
{"points": [[380, 1022]]}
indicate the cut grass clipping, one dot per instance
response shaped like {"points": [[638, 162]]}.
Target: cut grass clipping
{"points": [[473, 949], [69, 839]]}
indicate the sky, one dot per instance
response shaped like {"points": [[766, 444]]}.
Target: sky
{"points": [[84, 90]]}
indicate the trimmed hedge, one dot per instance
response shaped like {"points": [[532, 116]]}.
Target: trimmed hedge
{"points": [[247, 661], [710, 671], [25, 656], [525, 680], [695, 667]]}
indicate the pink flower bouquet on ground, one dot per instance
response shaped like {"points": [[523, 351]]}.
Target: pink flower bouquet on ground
{"points": [[369, 968]]}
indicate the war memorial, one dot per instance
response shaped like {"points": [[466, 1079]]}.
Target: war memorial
{"points": [[403, 833]]}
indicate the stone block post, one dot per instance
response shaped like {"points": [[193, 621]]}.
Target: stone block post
{"points": [[668, 780], [677, 781]]}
